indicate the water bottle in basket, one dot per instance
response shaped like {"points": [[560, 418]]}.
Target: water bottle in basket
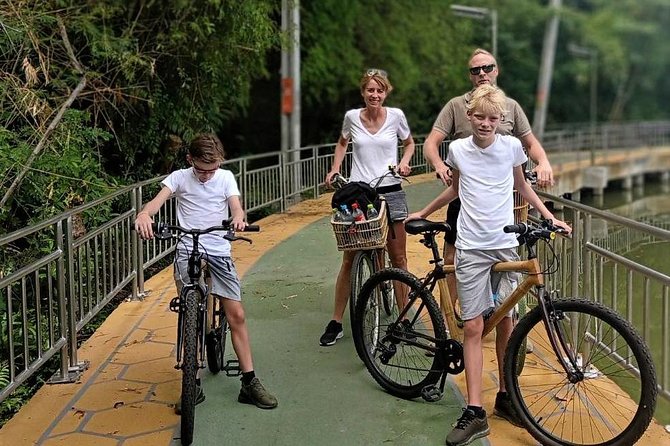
{"points": [[357, 213], [337, 215], [372, 212], [346, 215]]}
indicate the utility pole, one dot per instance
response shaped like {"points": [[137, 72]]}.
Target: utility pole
{"points": [[290, 89], [546, 69]]}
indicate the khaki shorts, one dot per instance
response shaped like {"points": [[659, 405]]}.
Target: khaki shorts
{"points": [[473, 278]]}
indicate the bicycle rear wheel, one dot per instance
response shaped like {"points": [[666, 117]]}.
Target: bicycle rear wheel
{"points": [[189, 366], [215, 340], [607, 399], [402, 356], [361, 270]]}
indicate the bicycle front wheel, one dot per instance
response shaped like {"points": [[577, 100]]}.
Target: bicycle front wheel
{"points": [[189, 366], [608, 398], [361, 270], [402, 355]]}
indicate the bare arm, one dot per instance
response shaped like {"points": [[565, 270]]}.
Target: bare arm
{"points": [[545, 174], [432, 154], [340, 151], [447, 196], [143, 220], [408, 150], [236, 212], [531, 197]]}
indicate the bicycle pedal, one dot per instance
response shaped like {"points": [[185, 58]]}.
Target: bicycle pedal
{"points": [[232, 368], [174, 304], [431, 393]]}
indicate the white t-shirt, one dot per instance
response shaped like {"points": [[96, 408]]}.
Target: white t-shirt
{"points": [[486, 189], [373, 153], [202, 205]]}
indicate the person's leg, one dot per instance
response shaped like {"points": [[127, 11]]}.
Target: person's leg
{"points": [[238, 333], [397, 248], [474, 294], [473, 359], [334, 330], [503, 332], [343, 286]]}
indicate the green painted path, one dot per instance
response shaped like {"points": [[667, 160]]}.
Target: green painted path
{"points": [[326, 396]]}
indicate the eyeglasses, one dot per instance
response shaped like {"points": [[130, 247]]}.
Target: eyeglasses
{"points": [[197, 170], [487, 69], [376, 72]]}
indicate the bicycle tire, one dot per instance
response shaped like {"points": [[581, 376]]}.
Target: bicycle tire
{"points": [[400, 367], [189, 366], [361, 270], [216, 339], [388, 294], [519, 312], [601, 412]]}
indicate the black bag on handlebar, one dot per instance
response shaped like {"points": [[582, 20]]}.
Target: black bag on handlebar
{"points": [[359, 192]]}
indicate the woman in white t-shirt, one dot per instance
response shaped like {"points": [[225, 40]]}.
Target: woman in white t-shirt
{"points": [[374, 132]]}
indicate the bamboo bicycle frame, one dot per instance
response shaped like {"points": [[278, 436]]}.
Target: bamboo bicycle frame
{"points": [[533, 278]]}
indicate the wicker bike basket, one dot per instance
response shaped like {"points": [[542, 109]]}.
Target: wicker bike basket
{"points": [[520, 208], [368, 234]]}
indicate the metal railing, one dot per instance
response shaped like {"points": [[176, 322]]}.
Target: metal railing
{"points": [[89, 255]]}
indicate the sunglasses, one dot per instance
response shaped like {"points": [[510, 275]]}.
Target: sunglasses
{"points": [[376, 72], [202, 171], [487, 69]]}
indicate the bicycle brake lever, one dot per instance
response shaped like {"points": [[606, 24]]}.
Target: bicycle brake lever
{"points": [[231, 237]]}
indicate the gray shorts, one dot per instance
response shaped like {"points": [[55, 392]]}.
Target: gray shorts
{"points": [[474, 280], [397, 204], [225, 282]]}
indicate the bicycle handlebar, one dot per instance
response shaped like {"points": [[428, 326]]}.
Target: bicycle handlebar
{"points": [[546, 230], [162, 230]]}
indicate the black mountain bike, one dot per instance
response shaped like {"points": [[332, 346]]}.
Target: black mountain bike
{"points": [[201, 322], [591, 381]]}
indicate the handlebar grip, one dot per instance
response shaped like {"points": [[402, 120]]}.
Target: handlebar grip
{"points": [[252, 228], [519, 228]]}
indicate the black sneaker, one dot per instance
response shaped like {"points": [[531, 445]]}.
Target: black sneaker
{"points": [[332, 334], [254, 393], [469, 427], [198, 399], [504, 409]]}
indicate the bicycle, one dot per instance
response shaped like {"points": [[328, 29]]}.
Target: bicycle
{"points": [[202, 326], [368, 261], [584, 354]]}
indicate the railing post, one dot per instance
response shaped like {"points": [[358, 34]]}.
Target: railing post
{"points": [[138, 250], [576, 235], [315, 170], [71, 369], [282, 181]]}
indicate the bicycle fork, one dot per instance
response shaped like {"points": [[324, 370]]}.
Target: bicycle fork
{"points": [[566, 355]]}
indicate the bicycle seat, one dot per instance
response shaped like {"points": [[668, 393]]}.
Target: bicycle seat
{"points": [[415, 227]]}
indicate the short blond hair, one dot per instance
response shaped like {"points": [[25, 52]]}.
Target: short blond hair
{"points": [[487, 99]]}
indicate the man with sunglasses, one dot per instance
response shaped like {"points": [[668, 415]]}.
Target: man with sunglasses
{"points": [[453, 122]]}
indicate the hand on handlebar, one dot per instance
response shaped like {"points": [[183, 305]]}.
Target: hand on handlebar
{"points": [[329, 177], [143, 227], [403, 169]]}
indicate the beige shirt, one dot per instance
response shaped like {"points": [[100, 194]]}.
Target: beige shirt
{"points": [[453, 119]]}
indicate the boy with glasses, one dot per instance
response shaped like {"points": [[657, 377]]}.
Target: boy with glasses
{"points": [[207, 195]]}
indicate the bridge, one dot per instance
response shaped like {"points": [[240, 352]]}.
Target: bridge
{"points": [[119, 385]]}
